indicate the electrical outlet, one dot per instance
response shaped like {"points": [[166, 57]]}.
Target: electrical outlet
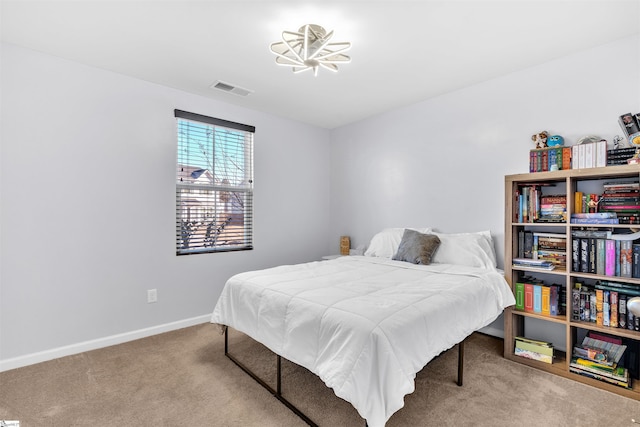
{"points": [[152, 295]]}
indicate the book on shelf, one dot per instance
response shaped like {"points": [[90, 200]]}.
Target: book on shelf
{"points": [[619, 373], [594, 215], [589, 155], [525, 244], [623, 198], [528, 297], [594, 218], [534, 296], [595, 221], [577, 311], [604, 255], [534, 349], [605, 304], [599, 357], [610, 350], [531, 206], [626, 258], [549, 158], [537, 298], [590, 373], [538, 264], [519, 294], [620, 156]]}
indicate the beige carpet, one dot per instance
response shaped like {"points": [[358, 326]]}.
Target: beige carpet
{"points": [[182, 378]]}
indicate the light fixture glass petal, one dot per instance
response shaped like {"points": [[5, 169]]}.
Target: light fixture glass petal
{"points": [[310, 48]]}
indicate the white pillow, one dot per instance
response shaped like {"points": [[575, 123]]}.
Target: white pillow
{"points": [[472, 249], [385, 243]]}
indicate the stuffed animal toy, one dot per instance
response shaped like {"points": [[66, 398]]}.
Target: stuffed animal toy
{"points": [[555, 141], [540, 139]]}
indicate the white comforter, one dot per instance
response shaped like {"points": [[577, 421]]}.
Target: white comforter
{"points": [[364, 325]]}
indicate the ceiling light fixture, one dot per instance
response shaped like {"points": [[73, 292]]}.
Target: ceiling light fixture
{"points": [[309, 49]]}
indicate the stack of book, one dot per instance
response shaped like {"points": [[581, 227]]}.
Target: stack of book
{"points": [[538, 264], [620, 156], [533, 349], [599, 358], [553, 208], [550, 247], [623, 198], [595, 218]]}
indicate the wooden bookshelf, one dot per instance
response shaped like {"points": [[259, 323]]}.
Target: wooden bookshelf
{"points": [[515, 320]]}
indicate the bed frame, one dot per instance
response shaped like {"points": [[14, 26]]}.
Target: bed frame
{"points": [[277, 392]]}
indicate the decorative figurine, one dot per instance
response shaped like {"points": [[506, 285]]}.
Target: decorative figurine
{"points": [[555, 141], [540, 139], [619, 142]]}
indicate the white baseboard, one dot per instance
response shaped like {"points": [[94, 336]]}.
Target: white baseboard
{"points": [[43, 356]]}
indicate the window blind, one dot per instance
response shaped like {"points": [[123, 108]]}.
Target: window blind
{"points": [[214, 185]]}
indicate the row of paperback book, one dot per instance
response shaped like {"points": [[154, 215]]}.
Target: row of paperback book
{"points": [[534, 349], [579, 156], [604, 304], [550, 158], [534, 296], [599, 357], [596, 252], [532, 206]]}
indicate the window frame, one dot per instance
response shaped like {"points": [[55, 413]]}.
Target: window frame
{"points": [[205, 197]]}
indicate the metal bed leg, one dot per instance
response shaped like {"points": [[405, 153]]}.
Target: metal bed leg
{"points": [[277, 393], [460, 361]]}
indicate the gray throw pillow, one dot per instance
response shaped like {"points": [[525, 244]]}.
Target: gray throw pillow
{"points": [[416, 247]]}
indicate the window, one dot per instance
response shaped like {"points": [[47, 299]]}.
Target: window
{"points": [[214, 185]]}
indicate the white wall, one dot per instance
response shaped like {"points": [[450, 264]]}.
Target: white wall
{"points": [[442, 162], [88, 198], [87, 195]]}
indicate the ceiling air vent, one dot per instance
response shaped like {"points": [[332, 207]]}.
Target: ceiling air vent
{"points": [[228, 87]]}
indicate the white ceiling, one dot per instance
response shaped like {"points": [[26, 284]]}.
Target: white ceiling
{"points": [[402, 51]]}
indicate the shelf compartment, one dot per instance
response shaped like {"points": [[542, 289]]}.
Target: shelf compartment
{"points": [[620, 332], [558, 319], [556, 271], [558, 367], [633, 392]]}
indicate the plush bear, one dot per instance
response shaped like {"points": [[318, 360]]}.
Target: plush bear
{"points": [[540, 139]]}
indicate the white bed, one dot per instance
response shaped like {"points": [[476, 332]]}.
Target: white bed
{"points": [[364, 324]]}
